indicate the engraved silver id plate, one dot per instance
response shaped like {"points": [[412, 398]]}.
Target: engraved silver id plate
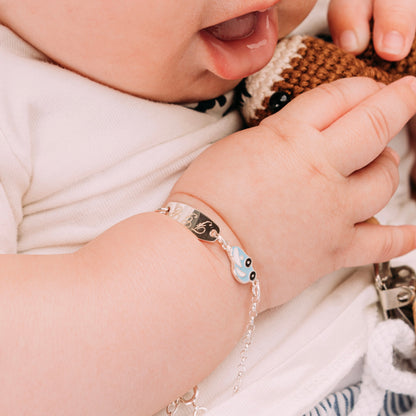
{"points": [[198, 223]]}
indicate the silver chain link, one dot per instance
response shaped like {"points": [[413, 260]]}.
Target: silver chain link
{"points": [[172, 407], [248, 336], [241, 368]]}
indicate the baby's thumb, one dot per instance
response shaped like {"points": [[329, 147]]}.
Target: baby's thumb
{"points": [[374, 243]]}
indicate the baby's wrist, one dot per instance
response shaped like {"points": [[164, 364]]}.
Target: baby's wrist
{"points": [[209, 211], [231, 237], [218, 257], [226, 232]]}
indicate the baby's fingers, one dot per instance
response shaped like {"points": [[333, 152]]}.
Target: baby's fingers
{"points": [[374, 243], [366, 130], [371, 188], [394, 27], [349, 23], [321, 106]]}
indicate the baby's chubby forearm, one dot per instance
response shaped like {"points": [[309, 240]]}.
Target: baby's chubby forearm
{"points": [[125, 325]]}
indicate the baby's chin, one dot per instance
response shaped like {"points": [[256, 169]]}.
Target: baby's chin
{"points": [[205, 93], [179, 90], [205, 90]]}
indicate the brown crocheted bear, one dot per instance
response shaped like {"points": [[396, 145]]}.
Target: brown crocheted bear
{"points": [[301, 63], [304, 62]]}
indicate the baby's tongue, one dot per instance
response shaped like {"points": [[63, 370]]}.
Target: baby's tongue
{"points": [[234, 29]]}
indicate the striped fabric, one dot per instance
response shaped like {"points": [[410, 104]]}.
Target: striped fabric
{"points": [[341, 403]]}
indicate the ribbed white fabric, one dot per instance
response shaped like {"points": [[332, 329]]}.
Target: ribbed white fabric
{"points": [[382, 368]]}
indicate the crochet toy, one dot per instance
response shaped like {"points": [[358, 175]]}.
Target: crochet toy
{"points": [[301, 63]]}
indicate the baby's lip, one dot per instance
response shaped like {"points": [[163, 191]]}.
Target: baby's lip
{"points": [[242, 45], [240, 27]]}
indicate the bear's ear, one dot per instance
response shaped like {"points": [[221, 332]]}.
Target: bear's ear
{"points": [[267, 91]]}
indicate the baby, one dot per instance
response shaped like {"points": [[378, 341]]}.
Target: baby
{"points": [[118, 310]]}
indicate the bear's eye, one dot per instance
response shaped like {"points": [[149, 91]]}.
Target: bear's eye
{"points": [[252, 275], [248, 262], [278, 100]]}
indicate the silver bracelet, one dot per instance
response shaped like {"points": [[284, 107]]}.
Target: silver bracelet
{"points": [[242, 270]]}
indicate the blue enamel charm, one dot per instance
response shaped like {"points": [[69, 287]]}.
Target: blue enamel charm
{"points": [[242, 266]]}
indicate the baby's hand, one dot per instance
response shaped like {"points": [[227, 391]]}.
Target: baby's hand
{"points": [[394, 25], [296, 190]]}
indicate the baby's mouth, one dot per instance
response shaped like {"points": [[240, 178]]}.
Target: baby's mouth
{"points": [[242, 45], [238, 28]]}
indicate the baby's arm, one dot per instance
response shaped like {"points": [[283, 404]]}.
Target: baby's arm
{"points": [[145, 311], [394, 25]]}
